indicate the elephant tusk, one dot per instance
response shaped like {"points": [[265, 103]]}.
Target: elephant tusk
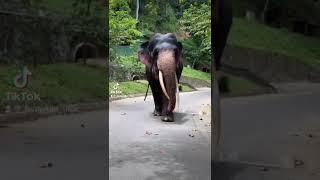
{"points": [[162, 85], [177, 96]]}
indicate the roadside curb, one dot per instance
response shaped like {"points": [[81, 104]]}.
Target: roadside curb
{"points": [[20, 117]]}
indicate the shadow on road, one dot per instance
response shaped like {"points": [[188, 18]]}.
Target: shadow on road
{"points": [[181, 118], [225, 171]]}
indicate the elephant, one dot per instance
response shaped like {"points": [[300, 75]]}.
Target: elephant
{"points": [[222, 21], [162, 57]]}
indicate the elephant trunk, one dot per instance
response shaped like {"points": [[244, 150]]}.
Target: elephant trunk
{"points": [[167, 77]]}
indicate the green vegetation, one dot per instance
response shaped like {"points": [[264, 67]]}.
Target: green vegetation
{"points": [[190, 20], [188, 72], [259, 36], [122, 27], [239, 86], [56, 84], [54, 5], [280, 12], [196, 21]]}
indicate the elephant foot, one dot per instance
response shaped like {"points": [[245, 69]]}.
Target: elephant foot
{"points": [[156, 113], [167, 118]]}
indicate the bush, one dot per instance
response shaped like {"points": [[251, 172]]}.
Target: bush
{"points": [[224, 84], [125, 68], [193, 55]]}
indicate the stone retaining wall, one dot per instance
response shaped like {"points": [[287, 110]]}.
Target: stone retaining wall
{"points": [[269, 66]]}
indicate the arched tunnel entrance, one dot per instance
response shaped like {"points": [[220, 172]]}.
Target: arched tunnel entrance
{"points": [[83, 51]]}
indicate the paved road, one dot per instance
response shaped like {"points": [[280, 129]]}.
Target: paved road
{"points": [[76, 153], [269, 129], [81, 152], [169, 153], [275, 131]]}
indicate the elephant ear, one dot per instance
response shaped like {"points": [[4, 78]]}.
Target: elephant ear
{"points": [[143, 53], [144, 45], [179, 50]]}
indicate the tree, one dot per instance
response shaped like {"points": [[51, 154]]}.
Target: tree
{"points": [[264, 11], [137, 10], [122, 27], [196, 21]]}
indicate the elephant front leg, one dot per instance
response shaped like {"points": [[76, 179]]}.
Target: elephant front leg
{"points": [[167, 116], [156, 93]]}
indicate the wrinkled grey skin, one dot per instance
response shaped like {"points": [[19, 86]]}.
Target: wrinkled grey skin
{"points": [[152, 53]]}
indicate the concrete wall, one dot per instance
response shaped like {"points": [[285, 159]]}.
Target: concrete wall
{"points": [[25, 36], [272, 67]]}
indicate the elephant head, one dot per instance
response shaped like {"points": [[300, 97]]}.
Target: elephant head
{"points": [[163, 60]]}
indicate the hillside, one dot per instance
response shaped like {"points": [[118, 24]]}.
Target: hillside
{"points": [[259, 36]]}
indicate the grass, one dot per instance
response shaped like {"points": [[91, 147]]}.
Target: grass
{"points": [[61, 84], [56, 84], [133, 87], [241, 86], [259, 36], [192, 73]]}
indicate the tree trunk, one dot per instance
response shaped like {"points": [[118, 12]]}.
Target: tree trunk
{"points": [[137, 11], [265, 9], [85, 51]]}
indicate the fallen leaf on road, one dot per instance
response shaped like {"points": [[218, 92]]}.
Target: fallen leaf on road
{"points": [[310, 135], [293, 134], [162, 152], [123, 113], [156, 134], [209, 124], [264, 169], [194, 130], [82, 125], [46, 165], [149, 133], [298, 162], [191, 135]]}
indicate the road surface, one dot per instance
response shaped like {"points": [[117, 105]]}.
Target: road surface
{"points": [[143, 147], [276, 131]]}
